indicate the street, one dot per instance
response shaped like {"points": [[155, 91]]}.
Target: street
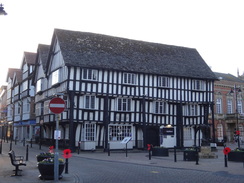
{"points": [[94, 167]]}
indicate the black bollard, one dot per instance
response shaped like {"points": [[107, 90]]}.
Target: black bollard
{"points": [[31, 143], [10, 146], [1, 146], [27, 152], [66, 165], [79, 147], [23, 141], [175, 158], [108, 149], [150, 155], [197, 156], [226, 161]]}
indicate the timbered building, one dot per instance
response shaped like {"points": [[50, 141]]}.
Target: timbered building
{"points": [[23, 99], [116, 88]]}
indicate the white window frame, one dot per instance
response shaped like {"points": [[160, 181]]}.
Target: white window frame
{"points": [[191, 110], [39, 85], [90, 131], [55, 77], [129, 78], [198, 85], [90, 102], [219, 106], [220, 134], [90, 74], [163, 81], [26, 106], [124, 104], [25, 85], [119, 132], [187, 133], [229, 106], [160, 107], [239, 106]]}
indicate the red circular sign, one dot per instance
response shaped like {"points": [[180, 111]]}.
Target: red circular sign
{"points": [[57, 105]]}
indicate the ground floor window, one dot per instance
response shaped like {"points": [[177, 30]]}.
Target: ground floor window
{"points": [[90, 131], [119, 132], [187, 133], [220, 132]]}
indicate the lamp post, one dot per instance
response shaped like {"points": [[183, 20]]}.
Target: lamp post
{"points": [[236, 91], [2, 12]]}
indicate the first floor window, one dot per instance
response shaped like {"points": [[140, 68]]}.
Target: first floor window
{"points": [[129, 78], [191, 110], [119, 132], [229, 106], [160, 107], [219, 106], [90, 102], [198, 85], [239, 106], [124, 104], [90, 74], [163, 81]]}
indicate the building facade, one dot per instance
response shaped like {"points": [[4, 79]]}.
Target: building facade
{"points": [[228, 116], [116, 88]]}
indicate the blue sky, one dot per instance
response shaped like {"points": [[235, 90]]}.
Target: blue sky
{"points": [[214, 27]]}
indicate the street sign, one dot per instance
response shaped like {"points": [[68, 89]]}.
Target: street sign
{"points": [[125, 140], [57, 105]]}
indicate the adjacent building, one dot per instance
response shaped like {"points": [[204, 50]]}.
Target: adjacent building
{"points": [[228, 113]]}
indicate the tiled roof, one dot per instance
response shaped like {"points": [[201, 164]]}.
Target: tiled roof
{"points": [[113, 53], [30, 57], [227, 77], [11, 72], [43, 51]]}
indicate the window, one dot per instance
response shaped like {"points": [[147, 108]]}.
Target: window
{"points": [[198, 85], [119, 132], [239, 106], [90, 74], [55, 77], [129, 78], [219, 106], [163, 81], [160, 107], [90, 132], [220, 132], [25, 85], [17, 108], [39, 85], [229, 106], [26, 106], [90, 102], [187, 133], [191, 110], [124, 104], [25, 68]]}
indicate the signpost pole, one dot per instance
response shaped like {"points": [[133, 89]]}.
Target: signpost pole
{"points": [[56, 155]]}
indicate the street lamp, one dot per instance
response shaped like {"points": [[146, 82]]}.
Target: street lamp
{"points": [[2, 12], [236, 91]]}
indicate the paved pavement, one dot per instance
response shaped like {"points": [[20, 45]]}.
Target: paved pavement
{"points": [[30, 172]]}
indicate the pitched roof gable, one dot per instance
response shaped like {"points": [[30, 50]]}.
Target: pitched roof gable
{"points": [[114, 53], [11, 72], [30, 58]]}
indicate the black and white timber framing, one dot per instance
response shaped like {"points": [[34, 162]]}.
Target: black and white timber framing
{"points": [[116, 87]]}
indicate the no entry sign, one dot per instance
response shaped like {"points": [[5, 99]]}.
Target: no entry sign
{"points": [[57, 105]]}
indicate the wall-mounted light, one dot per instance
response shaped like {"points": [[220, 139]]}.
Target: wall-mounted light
{"points": [[2, 12]]}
